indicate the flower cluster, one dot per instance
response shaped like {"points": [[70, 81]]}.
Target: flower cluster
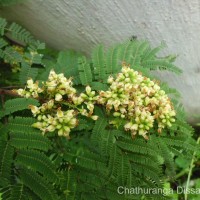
{"points": [[57, 86], [89, 100], [31, 90], [132, 99], [62, 121], [138, 101], [56, 93]]}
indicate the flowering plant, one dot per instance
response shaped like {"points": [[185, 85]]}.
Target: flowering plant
{"points": [[132, 99], [77, 131]]}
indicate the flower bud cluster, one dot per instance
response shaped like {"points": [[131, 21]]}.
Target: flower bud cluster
{"points": [[57, 92], [57, 86], [138, 101], [31, 90], [89, 100], [62, 121], [132, 99]]}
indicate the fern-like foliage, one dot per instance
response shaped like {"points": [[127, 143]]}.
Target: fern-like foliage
{"points": [[25, 166], [138, 54], [25, 55], [98, 61], [84, 71], [98, 158], [67, 63], [17, 104]]}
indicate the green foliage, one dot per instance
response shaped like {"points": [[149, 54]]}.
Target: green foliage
{"points": [[138, 54], [23, 56], [98, 60], [17, 104], [98, 158], [84, 72], [67, 63]]}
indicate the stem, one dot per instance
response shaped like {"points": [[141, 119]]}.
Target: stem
{"points": [[190, 171], [12, 87], [183, 172], [71, 106], [8, 92]]}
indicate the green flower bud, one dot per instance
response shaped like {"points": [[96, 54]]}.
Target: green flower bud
{"points": [[50, 128], [116, 114], [37, 125], [60, 132], [59, 113], [39, 117], [88, 90], [58, 126]]}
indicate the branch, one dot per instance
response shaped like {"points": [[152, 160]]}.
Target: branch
{"points": [[8, 92]]}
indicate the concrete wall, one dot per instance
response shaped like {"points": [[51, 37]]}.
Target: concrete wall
{"points": [[81, 24]]}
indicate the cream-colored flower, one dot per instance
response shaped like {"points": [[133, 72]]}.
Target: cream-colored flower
{"points": [[58, 97]]}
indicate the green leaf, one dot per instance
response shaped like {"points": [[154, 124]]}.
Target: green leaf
{"points": [[6, 159], [99, 63], [99, 127], [161, 65], [39, 162], [14, 192], [21, 34], [17, 104], [31, 141], [38, 184], [84, 71], [10, 55], [22, 125], [27, 72], [113, 64], [3, 24], [99, 86], [67, 63], [182, 162], [3, 43]]}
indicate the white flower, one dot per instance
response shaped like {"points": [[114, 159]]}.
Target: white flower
{"points": [[110, 79], [30, 83], [59, 113], [50, 128], [94, 117], [73, 122], [58, 97], [77, 100], [34, 109], [50, 104], [128, 126], [51, 86], [52, 75], [90, 107], [20, 92], [134, 127]]}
